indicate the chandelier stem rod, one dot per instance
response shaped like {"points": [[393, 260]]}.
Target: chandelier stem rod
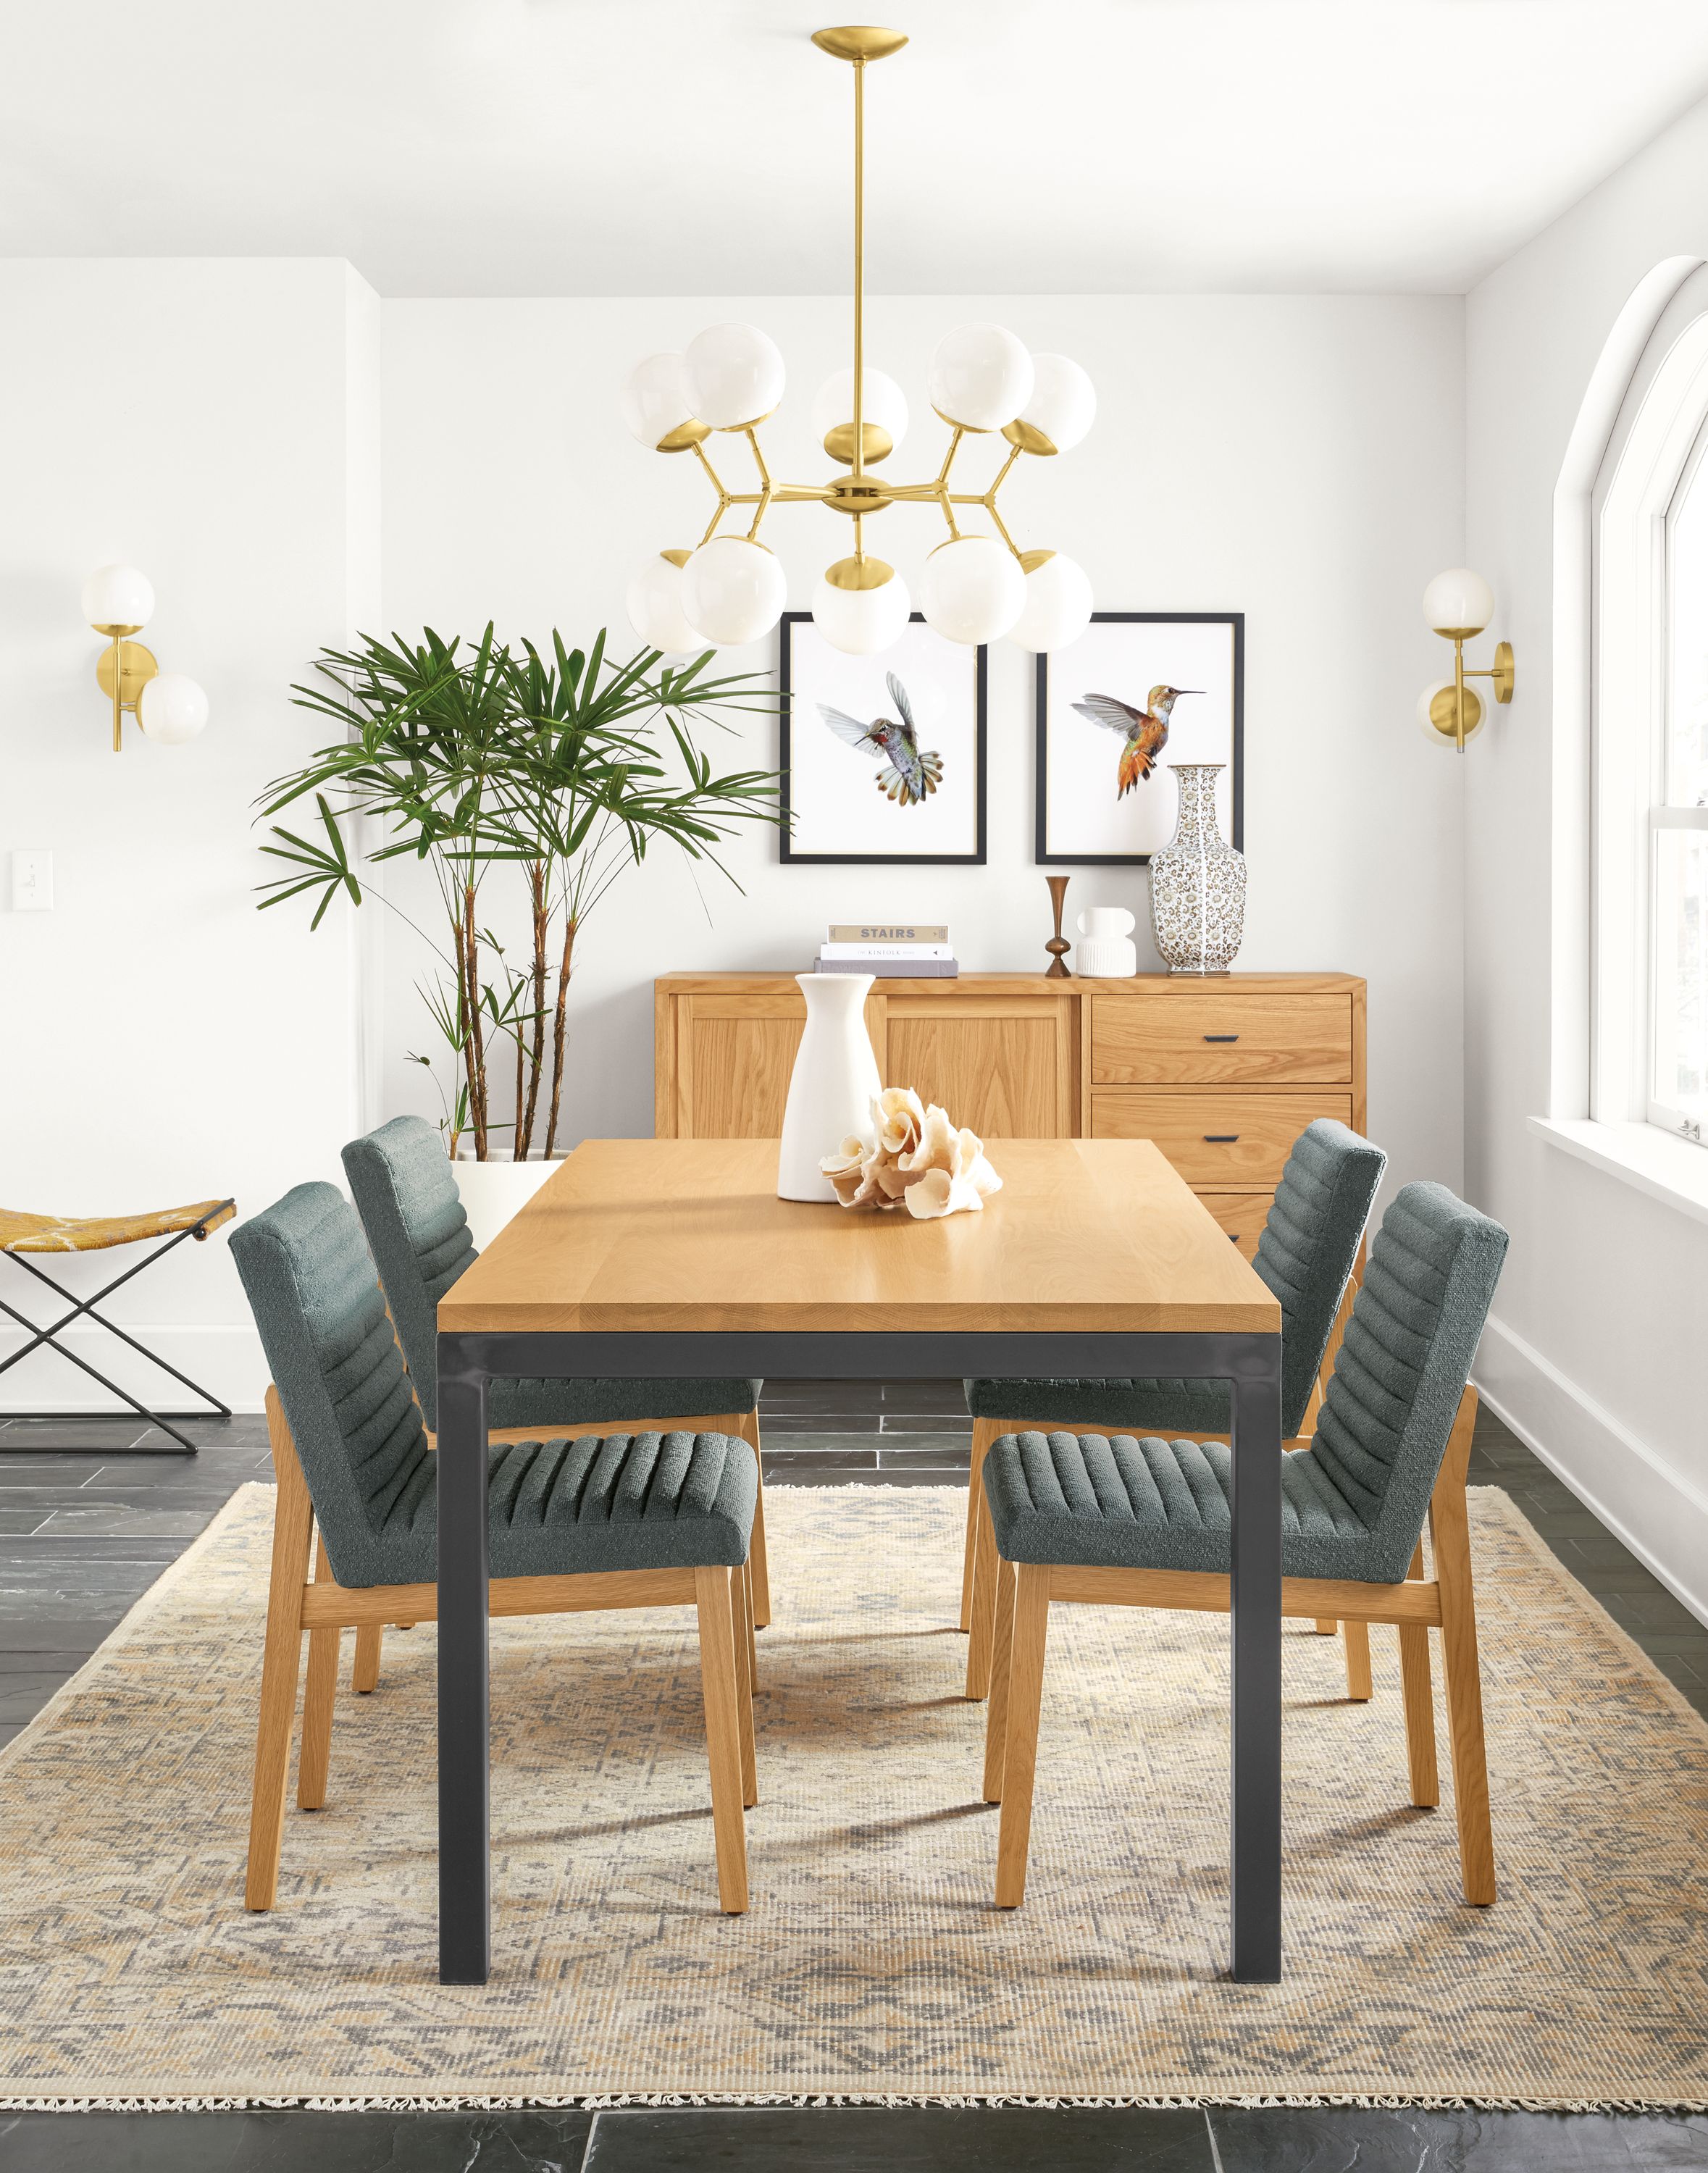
{"points": [[859, 295]]}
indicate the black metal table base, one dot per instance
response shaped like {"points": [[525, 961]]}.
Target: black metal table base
{"points": [[468, 1361]]}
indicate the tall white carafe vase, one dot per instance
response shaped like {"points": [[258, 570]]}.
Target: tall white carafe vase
{"points": [[833, 1085]]}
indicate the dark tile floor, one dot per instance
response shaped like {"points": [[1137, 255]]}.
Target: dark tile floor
{"points": [[85, 1530]]}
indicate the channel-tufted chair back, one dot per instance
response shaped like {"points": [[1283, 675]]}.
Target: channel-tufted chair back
{"points": [[340, 1376], [1403, 1365], [1309, 1244], [413, 1216]]}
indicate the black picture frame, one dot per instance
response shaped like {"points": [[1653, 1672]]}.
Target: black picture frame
{"points": [[1237, 622], [786, 853]]}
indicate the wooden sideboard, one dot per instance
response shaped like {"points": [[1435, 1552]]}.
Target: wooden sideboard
{"points": [[1223, 1073]]}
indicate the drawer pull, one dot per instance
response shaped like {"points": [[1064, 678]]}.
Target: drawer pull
{"points": [[1233, 1237], [1222, 1037], [1221, 1139]]}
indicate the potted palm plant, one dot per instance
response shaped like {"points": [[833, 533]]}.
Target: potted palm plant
{"points": [[552, 771]]}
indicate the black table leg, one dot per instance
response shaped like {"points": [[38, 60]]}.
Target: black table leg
{"points": [[465, 1901], [1256, 1661]]}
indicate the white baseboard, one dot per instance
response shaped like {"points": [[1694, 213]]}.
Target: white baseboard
{"points": [[1661, 1516], [229, 1360]]}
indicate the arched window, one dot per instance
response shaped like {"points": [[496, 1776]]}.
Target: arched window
{"points": [[1678, 822]]}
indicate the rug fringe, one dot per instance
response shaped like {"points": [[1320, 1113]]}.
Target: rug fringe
{"points": [[615, 2100]]}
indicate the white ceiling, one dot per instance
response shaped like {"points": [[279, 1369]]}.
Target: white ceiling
{"points": [[663, 147]]}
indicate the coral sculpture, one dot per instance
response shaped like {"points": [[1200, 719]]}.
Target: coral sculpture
{"points": [[914, 1156]]}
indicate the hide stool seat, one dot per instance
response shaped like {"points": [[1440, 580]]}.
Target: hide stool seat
{"points": [[630, 1519]]}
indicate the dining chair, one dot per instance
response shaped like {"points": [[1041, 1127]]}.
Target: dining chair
{"points": [[406, 1196], [1306, 1255], [628, 1519], [1087, 1519]]}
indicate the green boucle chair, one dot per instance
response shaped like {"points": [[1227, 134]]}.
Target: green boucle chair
{"points": [[1120, 1522], [417, 1232], [630, 1519], [1310, 1241]]}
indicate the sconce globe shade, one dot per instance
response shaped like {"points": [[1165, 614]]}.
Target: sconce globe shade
{"points": [[1058, 606], [735, 375], [173, 708], [1476, 714], [733, 591], [981, 377], [971, 591], [884, 403], [117, 596], [861, 622], [1458, 601], [1063, 402], [655, 399], [655, 601]]}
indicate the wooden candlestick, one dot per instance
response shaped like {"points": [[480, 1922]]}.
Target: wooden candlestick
{"points": [[1058, 944]]}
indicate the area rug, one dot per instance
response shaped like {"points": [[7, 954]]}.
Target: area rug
{"points": [[873, 1963]]}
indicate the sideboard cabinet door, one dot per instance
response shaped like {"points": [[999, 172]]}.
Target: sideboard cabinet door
{"points": [[734, 1055], [1006, 1066]]}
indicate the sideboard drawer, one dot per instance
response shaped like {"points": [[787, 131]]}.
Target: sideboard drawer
{"points": [[1219, 1035], [1219, 1142], [1242, 1215]]}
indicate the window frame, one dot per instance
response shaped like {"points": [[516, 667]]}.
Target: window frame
{"points": [[1668, 810]]}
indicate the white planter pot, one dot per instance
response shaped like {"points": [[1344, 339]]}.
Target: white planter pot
{"points": [[493, 1192], [833, 1084]]}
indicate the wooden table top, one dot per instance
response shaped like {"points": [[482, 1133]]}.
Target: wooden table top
{"points": [[689, 1234]]}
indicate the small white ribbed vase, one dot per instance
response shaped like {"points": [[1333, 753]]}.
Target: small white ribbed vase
{"points": [[832, 1087], [1197, 882]]}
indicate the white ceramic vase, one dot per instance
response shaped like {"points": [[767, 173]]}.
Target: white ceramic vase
{"points": [[833, 1085], [1197, 882], [1105, 951], [493, 1192]]}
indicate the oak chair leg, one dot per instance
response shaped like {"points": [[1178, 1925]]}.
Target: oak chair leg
{"points": [[1359, 1686], [1001, 1665], [319, 1694], [1031, 1608], [984, 1571], [747, 1425], [364, 1672], [1420, 1704], [1326, 1628], [1449, 1534], [293, 1537], [718, 1687], [984, 1432], [747, 1649], [742, 1604]]}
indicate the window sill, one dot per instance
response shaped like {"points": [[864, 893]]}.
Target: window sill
{"points": [[1668, 1169]]}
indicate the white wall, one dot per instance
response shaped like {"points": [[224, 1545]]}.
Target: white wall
{"points": [[216, 424], [1298, 458], [1598, 1351]]}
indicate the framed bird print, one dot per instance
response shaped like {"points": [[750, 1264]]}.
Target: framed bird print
{"points": [[1137, 691], [882, 757]]}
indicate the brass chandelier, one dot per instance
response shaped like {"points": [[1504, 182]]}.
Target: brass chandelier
{"points": [[973, 589]]}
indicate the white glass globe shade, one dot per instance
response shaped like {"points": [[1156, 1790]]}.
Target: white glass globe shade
{"points": [[655, 399], [861, 622], [1458, 601], [733, 591], [735, 375], [655, 601], [972, 589], [1063, 402], [883, 403], [1476, 713], [981, 377], [118, 595], [173, 708], [1057, 607]]}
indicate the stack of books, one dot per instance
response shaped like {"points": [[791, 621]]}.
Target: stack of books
{"points": [[896, 951]]}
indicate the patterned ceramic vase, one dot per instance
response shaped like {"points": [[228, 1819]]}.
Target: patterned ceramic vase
{"points": [[1197, 882]]}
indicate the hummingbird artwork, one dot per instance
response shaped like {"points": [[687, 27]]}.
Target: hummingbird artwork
{"points": [[908, 773], [1146, 732]]}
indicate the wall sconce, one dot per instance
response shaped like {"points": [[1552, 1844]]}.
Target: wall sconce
{"points": [[170, 708], [1457, 605]]}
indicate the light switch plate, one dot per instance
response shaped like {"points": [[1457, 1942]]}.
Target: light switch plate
{"points": [[32, 883]]}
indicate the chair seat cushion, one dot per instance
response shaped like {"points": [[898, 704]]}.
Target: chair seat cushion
{"points": [[548, 1403], [1126, 1503], [1145, 1406], [610, 1501]]}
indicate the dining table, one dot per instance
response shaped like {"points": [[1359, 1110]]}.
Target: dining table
{"points": [[675, 1258]]}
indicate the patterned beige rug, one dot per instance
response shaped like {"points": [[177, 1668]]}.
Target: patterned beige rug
{"points": [[873, 1963]]}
